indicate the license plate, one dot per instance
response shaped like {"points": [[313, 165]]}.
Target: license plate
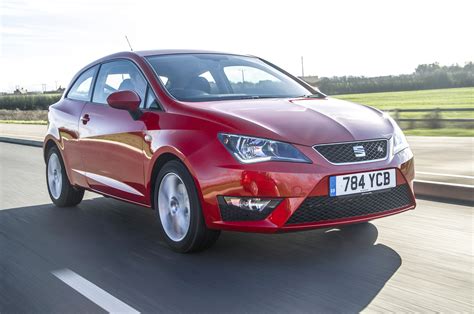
{"points": [[362, 182]]}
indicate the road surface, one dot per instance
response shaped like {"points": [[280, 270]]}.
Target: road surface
{"points": [[106, 255]]}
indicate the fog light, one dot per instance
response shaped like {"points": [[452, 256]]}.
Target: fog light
{"points": [[254, 204]]}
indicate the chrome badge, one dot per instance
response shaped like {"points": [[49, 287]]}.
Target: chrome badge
{"points": [[359, 151]]}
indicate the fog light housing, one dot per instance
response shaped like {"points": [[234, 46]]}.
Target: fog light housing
{"points": [[253, 204], [235, 208]]}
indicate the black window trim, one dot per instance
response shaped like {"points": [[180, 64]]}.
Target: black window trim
{"points": [[79, 76], [115, 60], [148, 89], [96, 75]]}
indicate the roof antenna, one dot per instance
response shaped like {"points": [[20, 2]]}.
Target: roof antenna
{"points": [[131, 49]]}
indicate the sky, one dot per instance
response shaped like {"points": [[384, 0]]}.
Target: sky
{"points": [[48, 41]]}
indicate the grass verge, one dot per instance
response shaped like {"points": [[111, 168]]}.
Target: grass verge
{"points": [[440, 132], [37, 122], [39, 116], [423, 99]]}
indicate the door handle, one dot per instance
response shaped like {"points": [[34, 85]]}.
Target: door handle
{"points": [[85, 118]]}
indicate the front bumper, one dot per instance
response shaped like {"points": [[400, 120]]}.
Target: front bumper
{"points": [[304, 190]]}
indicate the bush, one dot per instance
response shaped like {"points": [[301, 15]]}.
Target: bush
{"points": [[28, 102], [426, 76]]}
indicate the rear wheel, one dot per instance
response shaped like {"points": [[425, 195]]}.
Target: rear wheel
{"points": [[60, 190], [179, 211]]}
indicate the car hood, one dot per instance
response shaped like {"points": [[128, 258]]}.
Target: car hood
{"points": [[303, 121]]}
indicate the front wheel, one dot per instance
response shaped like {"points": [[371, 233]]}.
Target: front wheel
{"points": [[179, 211], [61, 192]]}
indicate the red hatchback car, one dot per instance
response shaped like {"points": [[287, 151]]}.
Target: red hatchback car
{"points": [[216, 141]]}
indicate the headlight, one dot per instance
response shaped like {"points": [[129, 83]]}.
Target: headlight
{"points": [[252, 149], [399, 140]]}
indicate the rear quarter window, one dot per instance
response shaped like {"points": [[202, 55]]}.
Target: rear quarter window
{"points": [[82, 87]]}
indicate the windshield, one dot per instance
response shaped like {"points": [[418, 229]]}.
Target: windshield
{"points": [[210, 77]]}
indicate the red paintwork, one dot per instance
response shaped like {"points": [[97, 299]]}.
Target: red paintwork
{"points": [[125, 100], [112, 144]]}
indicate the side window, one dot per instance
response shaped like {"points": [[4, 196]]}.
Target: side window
{"points": [[212, 82], [164, 80], [151, 101], [118, 76], [82, 88]]}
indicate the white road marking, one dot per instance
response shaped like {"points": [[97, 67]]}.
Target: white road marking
{"points": [[445, 175], [446, 183], [22, 137], [100, 297]]}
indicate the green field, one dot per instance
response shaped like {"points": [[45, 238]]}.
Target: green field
{"points": [[440, 132], [423, 99], [28, 102], [23, 116]]}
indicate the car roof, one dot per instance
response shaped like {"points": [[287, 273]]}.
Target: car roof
{"points": [[147, 53]]}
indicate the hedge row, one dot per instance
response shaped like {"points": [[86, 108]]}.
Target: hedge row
{"points": [[28, 102], [426, 76]]}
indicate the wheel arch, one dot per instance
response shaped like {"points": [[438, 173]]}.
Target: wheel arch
{"points": [[165, 155], [48, 144], [157, 166]]}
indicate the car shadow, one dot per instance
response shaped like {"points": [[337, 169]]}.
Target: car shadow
{"points": [[118, 247]]}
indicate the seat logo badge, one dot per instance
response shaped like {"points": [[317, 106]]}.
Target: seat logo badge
{"points": [[380, 149], [359, 151]]}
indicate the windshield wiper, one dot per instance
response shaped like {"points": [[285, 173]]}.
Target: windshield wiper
{"points": [[249, 97], [313, 96], [264, 97]]}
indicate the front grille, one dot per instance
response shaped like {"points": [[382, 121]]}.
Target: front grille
{"points": [[344, 152], [322, 208]]}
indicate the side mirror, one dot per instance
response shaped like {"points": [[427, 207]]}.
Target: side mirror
{"points": [[126, 100]]}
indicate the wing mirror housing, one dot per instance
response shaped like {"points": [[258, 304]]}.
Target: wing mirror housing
{"points": [[126, 100]]}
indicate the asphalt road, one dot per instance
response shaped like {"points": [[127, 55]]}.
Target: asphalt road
{"points": [[444, 159], [421, 260]]}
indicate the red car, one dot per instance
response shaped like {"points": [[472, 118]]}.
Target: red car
{"points": [[216, 141]]}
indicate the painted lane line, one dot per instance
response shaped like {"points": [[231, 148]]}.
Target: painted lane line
{"points": [[100, 297], [445, 175], [446, 183], [22, 137]]}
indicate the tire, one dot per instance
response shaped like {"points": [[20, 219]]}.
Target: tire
{"points": [[179, 212], [60, 190]]}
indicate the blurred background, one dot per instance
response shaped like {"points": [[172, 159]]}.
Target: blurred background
{"points": [[411, 59]]}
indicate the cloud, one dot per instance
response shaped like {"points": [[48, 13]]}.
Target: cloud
{"points": [[365, 37]]}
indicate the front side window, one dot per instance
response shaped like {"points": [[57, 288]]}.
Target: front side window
{"points": [[208, 77], [119, 76], [82, 87], [151, 101]]}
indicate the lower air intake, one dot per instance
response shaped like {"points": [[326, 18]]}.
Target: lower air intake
{"points": [[322, 208]]}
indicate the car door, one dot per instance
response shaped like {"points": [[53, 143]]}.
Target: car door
{"points": [[67, 123], [111, 140]]}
